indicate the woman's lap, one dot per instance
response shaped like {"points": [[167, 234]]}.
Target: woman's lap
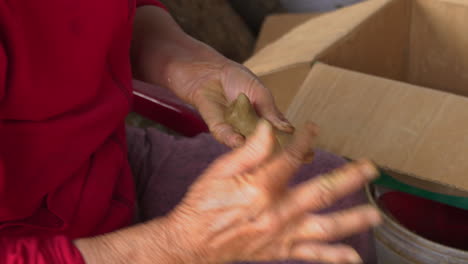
{"points": [[165, 166]]}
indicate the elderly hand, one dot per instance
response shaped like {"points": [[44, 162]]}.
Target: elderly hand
{"points": [[241, 209], [163, 54], [213, 96], [216, 86]]}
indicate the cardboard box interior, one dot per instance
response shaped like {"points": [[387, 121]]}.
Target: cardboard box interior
{"points": [[275, 26], [354, 72], [283, 64], [404, 128], [416, 41], [423, 42]]}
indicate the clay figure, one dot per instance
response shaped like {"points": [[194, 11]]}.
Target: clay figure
{"points": [[242, 116]]}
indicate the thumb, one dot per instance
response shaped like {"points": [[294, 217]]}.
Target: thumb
{"points": [[211, 104], [255, 151], [266, 107]]}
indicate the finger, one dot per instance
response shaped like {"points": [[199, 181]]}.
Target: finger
{"points": [[212, 105], [323, 191], [309, 251], [277, 173], [260, 97], [336, 226], [257, 149], [266, 107], [213, 114], [225, 133]]}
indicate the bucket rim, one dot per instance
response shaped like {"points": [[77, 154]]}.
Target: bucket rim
{"points": [[370, 188]]}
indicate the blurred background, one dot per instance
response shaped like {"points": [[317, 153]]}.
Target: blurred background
{"points": [[232, 26]]}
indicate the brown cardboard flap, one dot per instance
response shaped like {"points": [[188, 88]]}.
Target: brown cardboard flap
{"points": [[275, 26], [439, 40], [379, 46], [406, 128], [307, 41], [285, 84]]}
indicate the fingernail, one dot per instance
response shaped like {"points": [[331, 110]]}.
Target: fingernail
{"points": [[369, 170], [283, 120], [237, 141], [375, 218], [264, 126], [285, 126], [286, 122], [355, 259]]}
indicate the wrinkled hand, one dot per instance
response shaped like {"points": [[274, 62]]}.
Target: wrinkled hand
{"points": [[241, 209], [213, 86], [163, 54]]}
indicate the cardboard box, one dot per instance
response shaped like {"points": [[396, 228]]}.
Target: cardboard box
{"points": [[275, 26], [384, 79]]}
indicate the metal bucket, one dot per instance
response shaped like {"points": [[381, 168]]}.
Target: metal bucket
{"points": [[397, 245]]}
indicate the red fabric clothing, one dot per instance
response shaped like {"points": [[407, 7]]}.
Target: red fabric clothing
{"points": [[65, 89], [39, 250]]}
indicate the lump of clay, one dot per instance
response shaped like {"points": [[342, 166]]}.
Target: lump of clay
{"points": [[243, 117]]}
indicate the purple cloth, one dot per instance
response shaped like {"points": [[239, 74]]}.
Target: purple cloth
{"points": [[165, 166]]}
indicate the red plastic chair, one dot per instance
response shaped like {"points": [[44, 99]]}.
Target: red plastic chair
{"points": [[162, 106]]}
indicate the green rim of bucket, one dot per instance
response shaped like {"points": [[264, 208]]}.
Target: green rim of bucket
{"points": [[387, 181]]}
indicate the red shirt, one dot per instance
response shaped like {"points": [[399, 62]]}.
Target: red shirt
{"points": [[65, 89]]}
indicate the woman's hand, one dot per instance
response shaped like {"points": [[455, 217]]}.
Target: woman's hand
{"points": [[163, 54], [241, 209], [216, 85]]}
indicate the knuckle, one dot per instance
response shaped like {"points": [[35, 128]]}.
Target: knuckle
{"points": [[268, 224], [325, 192], [349, 171], [253, 82], [321, 231], [294, 156], [326, 229], [262, 197], [218, 130], [295, 204], [257, 148], [324, 201]]}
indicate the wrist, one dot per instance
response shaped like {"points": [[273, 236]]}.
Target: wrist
{"points": [[164, 55], [156, 241], [174, 241]]}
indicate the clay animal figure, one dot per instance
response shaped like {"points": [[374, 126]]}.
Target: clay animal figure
{"points": [[242, 116]]}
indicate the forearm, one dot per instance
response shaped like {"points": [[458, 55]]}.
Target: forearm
{"points": [[152, 242], [160, 48]]}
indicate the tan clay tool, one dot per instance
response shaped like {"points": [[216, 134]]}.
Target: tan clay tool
{"points": [[242, 116]]}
